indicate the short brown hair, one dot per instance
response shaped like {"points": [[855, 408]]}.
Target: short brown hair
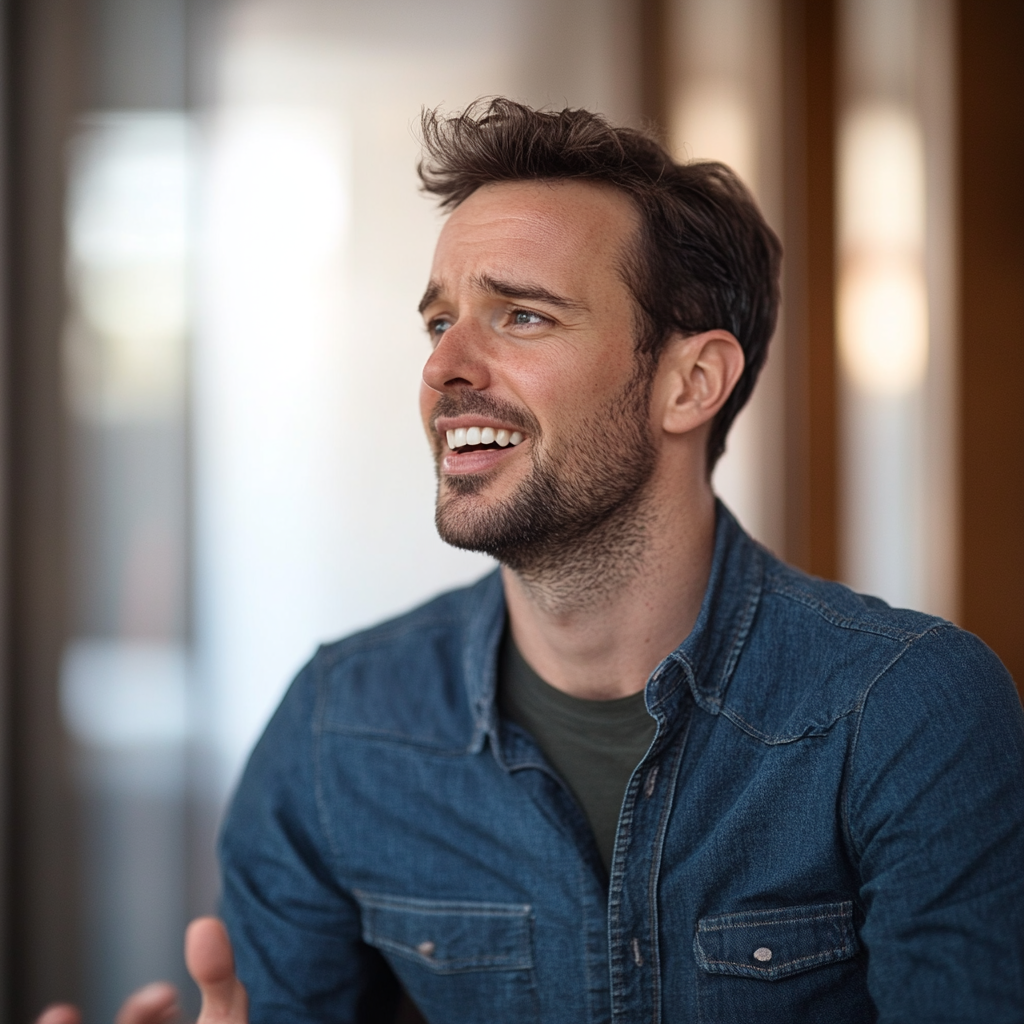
{"points": [[706, 258]]}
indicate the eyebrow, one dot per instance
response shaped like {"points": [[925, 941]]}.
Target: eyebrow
{"points": [[511, 290], [432, 292]]}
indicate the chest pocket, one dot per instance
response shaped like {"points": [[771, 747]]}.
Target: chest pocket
{"points": [[794, 963], [459, 961]]}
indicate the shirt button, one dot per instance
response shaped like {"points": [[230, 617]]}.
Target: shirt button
{"points": [[763, 953], [427, 948]]}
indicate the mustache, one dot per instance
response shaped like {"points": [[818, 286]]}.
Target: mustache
{"points": [[466, 402]]}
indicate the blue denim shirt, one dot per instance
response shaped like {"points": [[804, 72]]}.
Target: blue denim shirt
{"points": [[828, 826]]}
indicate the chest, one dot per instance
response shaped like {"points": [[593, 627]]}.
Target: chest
{"points": [[482, 886]]}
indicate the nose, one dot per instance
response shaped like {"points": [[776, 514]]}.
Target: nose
{"points": [[458, 360]]}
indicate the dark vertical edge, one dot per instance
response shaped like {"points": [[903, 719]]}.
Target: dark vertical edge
{"points": [[991, 258], [44, 85], [822, 442], [794, 282], [809, 100], [204, 28], [654, 63], [6, 831]]}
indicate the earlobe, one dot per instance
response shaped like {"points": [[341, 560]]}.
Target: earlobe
{"points": [[696, 375]]}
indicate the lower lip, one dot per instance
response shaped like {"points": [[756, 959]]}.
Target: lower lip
{"points": [[456, 464]]}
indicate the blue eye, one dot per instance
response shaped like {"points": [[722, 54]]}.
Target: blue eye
{"points": [[437, 327], [524, 318]]}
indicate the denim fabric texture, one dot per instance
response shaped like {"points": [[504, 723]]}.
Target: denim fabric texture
{"points": [[828, 826]]}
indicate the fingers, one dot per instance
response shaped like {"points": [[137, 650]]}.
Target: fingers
{"points": [[212, 966], [154, 1004], [60, 1013]]}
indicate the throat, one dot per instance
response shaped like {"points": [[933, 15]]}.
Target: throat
{"points": [[596, 564]]}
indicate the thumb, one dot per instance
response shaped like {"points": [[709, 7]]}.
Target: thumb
{"points": [[211, 963], [60, 1013]]}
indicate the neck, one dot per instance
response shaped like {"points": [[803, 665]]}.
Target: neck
{"points": [[599, 635]]}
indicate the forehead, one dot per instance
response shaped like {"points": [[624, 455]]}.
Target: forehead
{"points": [[565, 231]]}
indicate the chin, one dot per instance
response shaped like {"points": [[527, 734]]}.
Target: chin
{"points": [[466, 519]]}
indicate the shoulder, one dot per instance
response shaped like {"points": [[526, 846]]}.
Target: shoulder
{"points": [[405, 678], [818, 652], [837, 610]]}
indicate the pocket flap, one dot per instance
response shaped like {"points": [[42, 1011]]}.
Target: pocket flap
{"points": [[773, 944], [449, 937]]}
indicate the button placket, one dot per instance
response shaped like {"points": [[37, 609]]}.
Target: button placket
{"points": [[632, 910]]}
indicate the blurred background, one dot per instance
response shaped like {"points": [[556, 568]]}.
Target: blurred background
{"points": [[212, 248]]}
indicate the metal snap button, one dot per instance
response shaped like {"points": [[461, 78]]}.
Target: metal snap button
{"points": [[763, 953], [427, 948]]}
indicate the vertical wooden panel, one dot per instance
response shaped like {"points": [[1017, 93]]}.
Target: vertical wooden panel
{"points": [[991, 50], [6, 729], [43, 88], [809, 97], [654, 63]]}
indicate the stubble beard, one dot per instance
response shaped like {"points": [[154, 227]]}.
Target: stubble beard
{"points": [[576, 528]]}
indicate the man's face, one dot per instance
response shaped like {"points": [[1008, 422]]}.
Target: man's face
{"points": [[533, 400]]}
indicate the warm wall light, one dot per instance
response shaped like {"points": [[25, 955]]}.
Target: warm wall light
{"points": [[714, 122], [883, 304], [128, 226], [883, 324]]}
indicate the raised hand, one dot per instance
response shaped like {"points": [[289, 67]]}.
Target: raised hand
{"points": [[211, 963], [156, 1003]]}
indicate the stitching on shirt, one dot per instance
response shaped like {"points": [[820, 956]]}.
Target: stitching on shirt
{"points": [[844, 800], [380, 637], [742, 631], [463, 908], [397, 738], [837, 618], [616, 940], [811, 732], [711, 698], [842, 914], [517, 957], [856, 708], [508, 961], [786, 963], [668, 793], [767, 921], [322, 812]]}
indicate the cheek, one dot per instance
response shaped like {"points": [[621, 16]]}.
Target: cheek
{"points": [[574, 388]]}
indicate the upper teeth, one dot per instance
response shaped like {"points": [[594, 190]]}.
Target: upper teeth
{"points": [[482, 435]]}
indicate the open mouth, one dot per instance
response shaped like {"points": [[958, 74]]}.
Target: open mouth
{"points": [[476, 439]]}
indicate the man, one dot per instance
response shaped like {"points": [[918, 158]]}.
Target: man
{"points": [[645, 771]]}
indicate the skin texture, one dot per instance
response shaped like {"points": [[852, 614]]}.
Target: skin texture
{"points": [[532, 328], [523, 322]]}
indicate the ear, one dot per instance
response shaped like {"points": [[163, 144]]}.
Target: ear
{"points": [[695, 376]]}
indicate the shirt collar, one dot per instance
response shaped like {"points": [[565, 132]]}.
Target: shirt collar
{"points": [[706, 659], [708, 656]]}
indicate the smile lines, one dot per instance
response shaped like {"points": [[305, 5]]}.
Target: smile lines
{"points": [[464, 436]]}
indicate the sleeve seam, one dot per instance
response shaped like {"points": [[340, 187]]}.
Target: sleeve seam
{"points": [[855, 846]]}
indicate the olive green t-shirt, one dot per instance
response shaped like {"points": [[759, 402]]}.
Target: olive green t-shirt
{"points": [[593, 744]]}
